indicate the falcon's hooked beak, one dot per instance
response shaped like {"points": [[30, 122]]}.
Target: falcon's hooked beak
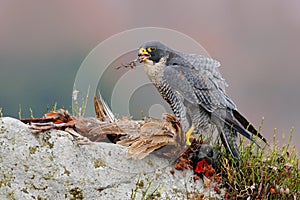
{"points": [[143, 55]]}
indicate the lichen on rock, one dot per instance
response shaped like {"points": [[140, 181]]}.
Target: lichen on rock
{"points": [[52, 165]]}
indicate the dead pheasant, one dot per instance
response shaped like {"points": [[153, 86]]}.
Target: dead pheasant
{"points": [[141, 136]]}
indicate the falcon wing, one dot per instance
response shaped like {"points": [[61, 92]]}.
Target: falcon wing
{"points": [[204, 86], [196, 86]]}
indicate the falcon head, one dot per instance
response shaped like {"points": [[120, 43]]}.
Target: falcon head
{"points": [[153, 51]]}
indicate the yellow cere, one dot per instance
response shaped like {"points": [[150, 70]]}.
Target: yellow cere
{"points": [[143, 51]]}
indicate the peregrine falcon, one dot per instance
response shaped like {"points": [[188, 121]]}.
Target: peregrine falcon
{"points": [[195, 91]]}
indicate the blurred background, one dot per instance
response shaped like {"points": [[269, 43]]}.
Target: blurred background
{"points": [[42, 45]]}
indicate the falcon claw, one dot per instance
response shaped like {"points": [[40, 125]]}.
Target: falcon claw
{"points": [[189, 136]]}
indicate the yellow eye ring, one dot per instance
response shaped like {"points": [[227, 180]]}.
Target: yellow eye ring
{"points": [[151, 49]]}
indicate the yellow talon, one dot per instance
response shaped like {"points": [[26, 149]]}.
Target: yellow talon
{"points": [[188, 135]]}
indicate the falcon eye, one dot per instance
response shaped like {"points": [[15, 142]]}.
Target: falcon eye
{"points": [[151, 49]]}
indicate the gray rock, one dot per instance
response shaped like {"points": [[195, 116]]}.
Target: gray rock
{"points": [[52, 165]]}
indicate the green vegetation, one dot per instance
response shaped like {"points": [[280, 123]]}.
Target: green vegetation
{"points": [[20, 112], [79, 109], [140, 185], [53, 108], [31, 113], [263, 173]]}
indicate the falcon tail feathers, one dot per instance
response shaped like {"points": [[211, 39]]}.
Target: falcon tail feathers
{"points": [[235, 127], [227, 141], [247, 125], [229, 134]]}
